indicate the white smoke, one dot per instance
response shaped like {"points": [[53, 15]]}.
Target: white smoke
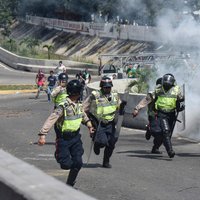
{"points": [[181, 34]]}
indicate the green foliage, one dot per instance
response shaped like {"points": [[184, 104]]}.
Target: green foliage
{"points": [[143, 78], [81, 59], [49, 48]]}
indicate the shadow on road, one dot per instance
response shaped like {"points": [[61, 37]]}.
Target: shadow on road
{"points": [[91, 165], [47, 143], [144, 154], [188, 155]]}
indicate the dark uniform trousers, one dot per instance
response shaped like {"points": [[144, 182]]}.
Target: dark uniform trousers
{"points": [[161, 129], [105, 137], [69, 150]]}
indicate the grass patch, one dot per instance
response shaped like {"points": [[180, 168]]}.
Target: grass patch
{"points": [[18, 87]]}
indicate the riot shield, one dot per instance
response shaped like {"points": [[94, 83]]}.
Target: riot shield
{"points": [[89, 143], [120, 116], [180, 126]]}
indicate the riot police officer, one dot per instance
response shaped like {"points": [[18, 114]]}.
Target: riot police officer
{"points": [[167, 97], [102, 105], [67, 118]]}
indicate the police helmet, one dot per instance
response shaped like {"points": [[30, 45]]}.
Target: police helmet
{"points": [[74, 87], [168, 81], [159, 81], [62, 77], [106, 82]]}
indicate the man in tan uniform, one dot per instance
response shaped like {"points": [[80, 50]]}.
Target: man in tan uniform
{"points": [[67, 118]]}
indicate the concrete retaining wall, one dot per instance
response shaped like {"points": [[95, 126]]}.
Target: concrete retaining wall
{"points": [[109, 30], [32, 65], [22, 181]]}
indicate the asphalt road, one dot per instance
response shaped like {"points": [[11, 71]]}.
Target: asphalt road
{"points": [[12, 76], [136, 174]]}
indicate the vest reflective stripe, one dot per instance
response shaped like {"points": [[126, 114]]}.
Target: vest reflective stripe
{"points": [[72, 123], [167, 101], [106, 110]]}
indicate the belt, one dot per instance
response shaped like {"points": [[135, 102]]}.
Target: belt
{"points": [[69, 135], [166, 111], [107, 123]]}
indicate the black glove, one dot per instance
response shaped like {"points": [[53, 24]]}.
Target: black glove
{"points": [[121, 107], [181, 108]]}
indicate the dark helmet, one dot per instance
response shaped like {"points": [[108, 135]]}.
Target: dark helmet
{"points": [[106, 82], [159, 81], [62, 77], [168, 81], [74, 87]]}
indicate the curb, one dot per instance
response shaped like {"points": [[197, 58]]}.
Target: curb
{"points": [[17, 91]]}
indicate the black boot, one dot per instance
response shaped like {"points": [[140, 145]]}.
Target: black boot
{"points": [[148, 133], [171, 153], [155, 150], [168, 145], [106, 158], [72, 176], [106, 164], [96, 149]]}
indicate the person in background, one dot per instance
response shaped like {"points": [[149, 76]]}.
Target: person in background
{"points": [[128, 69], [86, 76], [59, 93], [79, 76], [67, 118], [40, 81], [60, 69], [51, 84], [86, 79]]}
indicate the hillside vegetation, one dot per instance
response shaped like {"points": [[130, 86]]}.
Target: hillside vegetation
{"points": [[73, 46]]}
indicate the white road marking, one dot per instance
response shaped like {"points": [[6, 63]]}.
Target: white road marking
{"points": [[6, 67], [41, 157], [31, 158]]}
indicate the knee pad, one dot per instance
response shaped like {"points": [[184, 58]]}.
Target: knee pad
{"points": [[65, 167], [100, 145]]}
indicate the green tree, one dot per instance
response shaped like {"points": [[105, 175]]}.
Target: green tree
{"points": [[49, 50], [31, 43], [12, 44]]}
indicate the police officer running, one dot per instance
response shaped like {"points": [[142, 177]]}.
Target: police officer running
{"points": [[167, 97], [68, 117], [102, 106]]}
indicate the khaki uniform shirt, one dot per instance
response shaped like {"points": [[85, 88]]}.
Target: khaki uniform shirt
{"points": [[150, 97], [58, 115], [57, 90]]}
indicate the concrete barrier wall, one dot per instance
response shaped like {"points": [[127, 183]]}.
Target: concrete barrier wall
{"points": [[109, 30], [22, 181], [32, 65]]}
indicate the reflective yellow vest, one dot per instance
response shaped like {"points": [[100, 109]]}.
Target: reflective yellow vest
{"points": [[61, 97], [166, 101], [71, 123], [106, 109]]}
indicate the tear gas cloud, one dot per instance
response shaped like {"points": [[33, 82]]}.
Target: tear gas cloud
{"points": [[184, 37]]}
